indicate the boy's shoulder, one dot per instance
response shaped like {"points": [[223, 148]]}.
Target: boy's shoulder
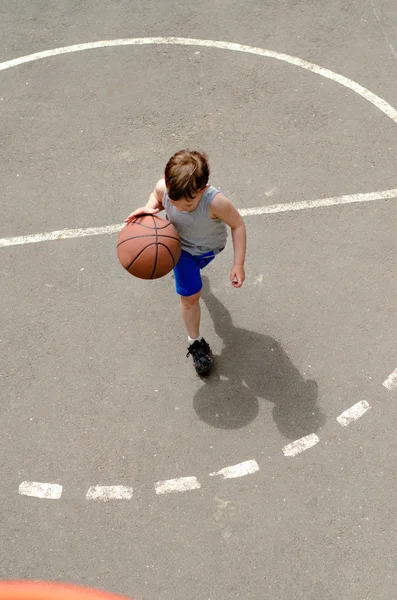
{"points": [[159, 190], [220, 198], [160, 186], [220, 206]]}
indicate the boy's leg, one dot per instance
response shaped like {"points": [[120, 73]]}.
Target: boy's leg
{"points": [[191, 312], [188, 286]]}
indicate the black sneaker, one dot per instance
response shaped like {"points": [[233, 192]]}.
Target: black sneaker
{"points": [[202, 356]]}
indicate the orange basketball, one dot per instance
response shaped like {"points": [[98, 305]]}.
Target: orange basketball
{"points": [[45, 590], [149, 247]]}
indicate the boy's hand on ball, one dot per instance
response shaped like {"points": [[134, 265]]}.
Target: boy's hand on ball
{"points": [[141, 211], [237, 276]]}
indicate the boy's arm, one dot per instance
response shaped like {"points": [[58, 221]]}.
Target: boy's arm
{"points": [[153, 205], [224, 209]]}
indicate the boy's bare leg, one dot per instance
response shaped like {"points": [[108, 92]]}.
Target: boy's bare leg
{"points": [[198, 347], [191, 312]]}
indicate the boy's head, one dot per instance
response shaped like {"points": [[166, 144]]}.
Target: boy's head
{"points": [[186, 174]]}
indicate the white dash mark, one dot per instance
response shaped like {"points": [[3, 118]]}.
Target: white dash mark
{"points": [[51, 491], [182, 484], [391, 382], [103, 493], [353, 413], [245, 468], [301, 445]]}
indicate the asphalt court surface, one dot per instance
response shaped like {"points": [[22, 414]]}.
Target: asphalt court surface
{"points": [[236, 105], [96, 387]]}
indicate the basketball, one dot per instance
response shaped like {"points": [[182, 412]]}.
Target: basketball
{"points": [[149, 247], [47, 590]]}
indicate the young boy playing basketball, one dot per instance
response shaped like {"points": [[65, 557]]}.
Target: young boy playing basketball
{"points": [[200, 213]]}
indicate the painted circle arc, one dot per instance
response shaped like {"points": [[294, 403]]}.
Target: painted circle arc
{"points": [[381, 104]]}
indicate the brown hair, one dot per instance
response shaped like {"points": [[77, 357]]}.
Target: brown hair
{"points": [[186, 173]]}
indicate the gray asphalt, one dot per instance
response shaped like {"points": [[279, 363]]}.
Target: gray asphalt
{"points": [[95, 386]]}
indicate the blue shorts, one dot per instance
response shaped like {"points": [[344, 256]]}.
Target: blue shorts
{"points": [[187, 272]]}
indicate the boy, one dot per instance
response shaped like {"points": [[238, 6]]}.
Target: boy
{"points": [[200, 213]]}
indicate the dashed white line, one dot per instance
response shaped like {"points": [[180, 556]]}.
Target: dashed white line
{"points": [[391, 382], [182, 484], [103, 493], [301, 445], [50, 491], [65, 234], [353, 413], [244, 468]]}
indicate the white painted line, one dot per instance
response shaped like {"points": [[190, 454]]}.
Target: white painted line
{"points": [[381, 104], [64, 234], [301, 445], [391, 382], [50, 491], [244, 468], [182, 484], [321, 203], [103, 493], [353, 413]]}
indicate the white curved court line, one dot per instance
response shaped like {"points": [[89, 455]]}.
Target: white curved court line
{"points": [[384, 106], [65, 234], [298, 446], [182, 484], [248, 467], [104, 493], [37, 489], [391, 382], [353, 413]]}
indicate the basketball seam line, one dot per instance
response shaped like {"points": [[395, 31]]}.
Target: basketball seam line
{"points": [[138, 255], [157, 248], [134, 237], [172, 256], [147, 226], [148, 246]]}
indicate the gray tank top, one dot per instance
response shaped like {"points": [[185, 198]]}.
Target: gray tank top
{"points": [[199, 233]]}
